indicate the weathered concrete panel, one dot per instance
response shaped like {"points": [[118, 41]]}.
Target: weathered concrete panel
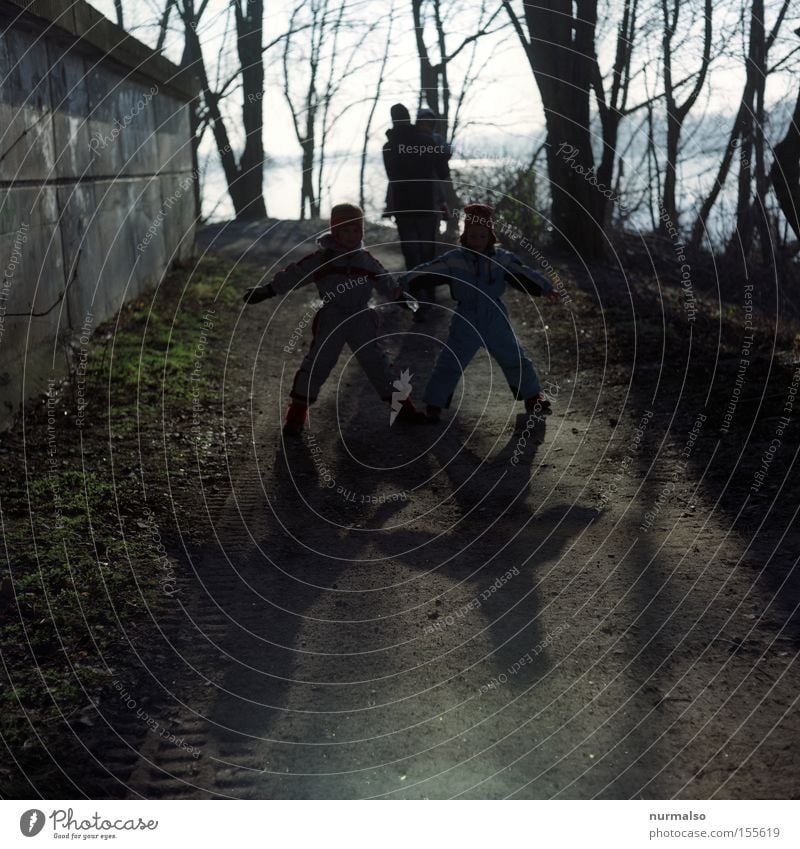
{"points": [[138, 139], [121, 124], [81, 246], [96, 177], [32, 261], [173, 133], [178, 212], [70, 102], [26, 133], [31, 280], [130, 250]]}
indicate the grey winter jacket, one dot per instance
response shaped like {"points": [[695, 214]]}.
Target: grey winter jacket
{"points": [[478, 281], [344, 279]]}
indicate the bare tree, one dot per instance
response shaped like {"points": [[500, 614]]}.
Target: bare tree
{"points": [[434, 91], [326, 98], [249, 23], [743, 123], [163, 25], [613, 109], [561, 52], [785, 172], [751, 212], [653, 169], [312, 79], [676, 114], [245, 178], [374, 105]]}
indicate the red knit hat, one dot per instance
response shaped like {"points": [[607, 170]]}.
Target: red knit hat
{"points": [[480, 215], [346, 213]]}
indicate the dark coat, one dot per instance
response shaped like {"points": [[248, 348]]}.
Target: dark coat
{"points": [[415, 163]]}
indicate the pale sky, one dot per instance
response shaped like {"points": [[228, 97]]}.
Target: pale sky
{"points": [[502, 113]]}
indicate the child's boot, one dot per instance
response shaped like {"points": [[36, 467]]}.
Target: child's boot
{"points": [[410, 414], [433, 413], [537, 404], [296, 417]]}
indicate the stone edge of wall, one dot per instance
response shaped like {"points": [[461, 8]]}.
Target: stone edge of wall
{"points": [[84, 21]]}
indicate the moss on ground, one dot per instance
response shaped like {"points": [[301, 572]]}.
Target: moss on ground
{"points": [[84, 569]]}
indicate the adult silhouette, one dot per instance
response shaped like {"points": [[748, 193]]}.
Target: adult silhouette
{"points": [[415, 161]]}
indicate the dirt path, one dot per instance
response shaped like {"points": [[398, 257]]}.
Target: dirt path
{"points": [[476, 609]]}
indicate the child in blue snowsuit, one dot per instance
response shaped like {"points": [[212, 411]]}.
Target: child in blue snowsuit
{"points": [[477, 273]]}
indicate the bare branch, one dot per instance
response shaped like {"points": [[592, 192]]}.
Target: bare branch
{"points": [[474, 37], [515, 22], [162, 27]]}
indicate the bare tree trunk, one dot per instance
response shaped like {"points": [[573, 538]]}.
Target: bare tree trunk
{"points": [[194, 130], [195, 56], [676, 115], [306, 134], [118, 10], [561, 53], [327, 98], [724, 168], [249, 22], [311, 108], [428, 73], [740, 122], [743, 237], [245, 178], [653, 171], [611, 113], [434, 85], [162, 27], [785, 172], [444, 113], [307, 196], [373, 107], [762, 184]]}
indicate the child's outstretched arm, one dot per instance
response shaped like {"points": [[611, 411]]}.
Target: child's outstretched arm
{"points": [[256, 294], [382, 281], [387, 284], [523, 277], [435, 272], [295, 274]]}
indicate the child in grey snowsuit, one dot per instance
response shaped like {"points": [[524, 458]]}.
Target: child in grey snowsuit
{"points": [[345, 275], [478, 273]]}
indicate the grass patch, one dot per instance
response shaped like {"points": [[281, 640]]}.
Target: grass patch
{"points": [[84, 570]]}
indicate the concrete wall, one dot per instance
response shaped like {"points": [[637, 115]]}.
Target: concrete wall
{"points": [[96, 181]]}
